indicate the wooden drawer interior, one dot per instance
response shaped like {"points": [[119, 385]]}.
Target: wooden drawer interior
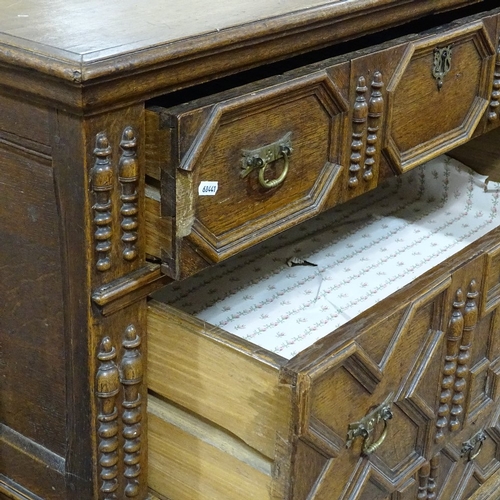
{"points": [[212, 397], [230, 409]]}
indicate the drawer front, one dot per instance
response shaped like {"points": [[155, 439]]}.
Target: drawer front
{"points": [[273, 158], [384, 386], [380, 408], [250, 166], [438, 94]]}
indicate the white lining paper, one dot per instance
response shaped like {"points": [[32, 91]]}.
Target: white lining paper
{"points": [[364, 250]]}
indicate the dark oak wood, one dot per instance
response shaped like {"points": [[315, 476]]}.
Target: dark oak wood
{"points": [[110, 116]]}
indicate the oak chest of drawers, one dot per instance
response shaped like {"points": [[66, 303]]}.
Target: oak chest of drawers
{"points": [[145, 145]]}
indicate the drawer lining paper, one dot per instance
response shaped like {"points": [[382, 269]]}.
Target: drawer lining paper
{"points": [[364, 251]]}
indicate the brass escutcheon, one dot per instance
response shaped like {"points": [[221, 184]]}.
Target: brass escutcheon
{"points": [[442, 64], [473, 446], [262, 157], [365, 428]]}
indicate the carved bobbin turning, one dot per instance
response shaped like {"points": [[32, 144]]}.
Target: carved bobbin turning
{"points": [[423, 481], [102, 185], [431, 485], [375, 110], [131, 375], [359, 117], [427, 476], [107, 388], [463, 360], [455, 329], [129, 177], [495, 93]]}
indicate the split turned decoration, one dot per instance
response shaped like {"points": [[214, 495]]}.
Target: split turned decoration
{"points": [[131, 375], [366, 122], [375, 111], [103, 182], [126, 375], [129, 178], [111, 379], [427, 479], [463, 360], [107, 389], [455, 329], [102, 185], [359, 117], [495, 94], [457, 361]]}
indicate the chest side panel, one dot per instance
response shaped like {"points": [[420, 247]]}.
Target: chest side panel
{"points": [[32, 365]]}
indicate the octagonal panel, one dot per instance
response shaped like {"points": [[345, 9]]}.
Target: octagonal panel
{"points": [[351, 384], [438, 95], [246, 205]]}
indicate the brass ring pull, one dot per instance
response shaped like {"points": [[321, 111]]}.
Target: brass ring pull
{"points": [[261, 158], [368, 447], [477, 452], [274, 182], [366, 427], [472, 448]]}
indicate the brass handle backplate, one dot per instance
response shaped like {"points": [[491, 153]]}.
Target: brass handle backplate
{"points": [[261, 158], [473, 446], [367, 426]]}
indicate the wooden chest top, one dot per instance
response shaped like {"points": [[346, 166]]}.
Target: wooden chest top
{"points": [[95, 38]]}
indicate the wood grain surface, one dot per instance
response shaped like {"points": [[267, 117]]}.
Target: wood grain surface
{"points": [[75, 80], [77, 27], [85, 33]]}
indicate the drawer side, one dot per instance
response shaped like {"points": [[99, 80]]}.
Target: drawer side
{"points": [[214, 375], [191, 459]]}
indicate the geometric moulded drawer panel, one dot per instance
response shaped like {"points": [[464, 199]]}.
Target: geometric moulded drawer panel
{"points": [[438, 94], [241, 167]]}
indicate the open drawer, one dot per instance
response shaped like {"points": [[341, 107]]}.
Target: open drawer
{"points": [[381, 405], [243, 165], [234, 168]]}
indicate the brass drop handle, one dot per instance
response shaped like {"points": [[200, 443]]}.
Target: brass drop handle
{"points": [[366, 427], [368, 447], [261, 158], [472, 448], [477, 452], [274, 182]]}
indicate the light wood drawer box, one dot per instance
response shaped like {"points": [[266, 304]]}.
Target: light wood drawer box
{"points": [[278, 428], [321, 134]]}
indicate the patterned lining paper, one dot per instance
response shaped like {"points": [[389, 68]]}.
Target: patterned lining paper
{"points": [[364, 250]]}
